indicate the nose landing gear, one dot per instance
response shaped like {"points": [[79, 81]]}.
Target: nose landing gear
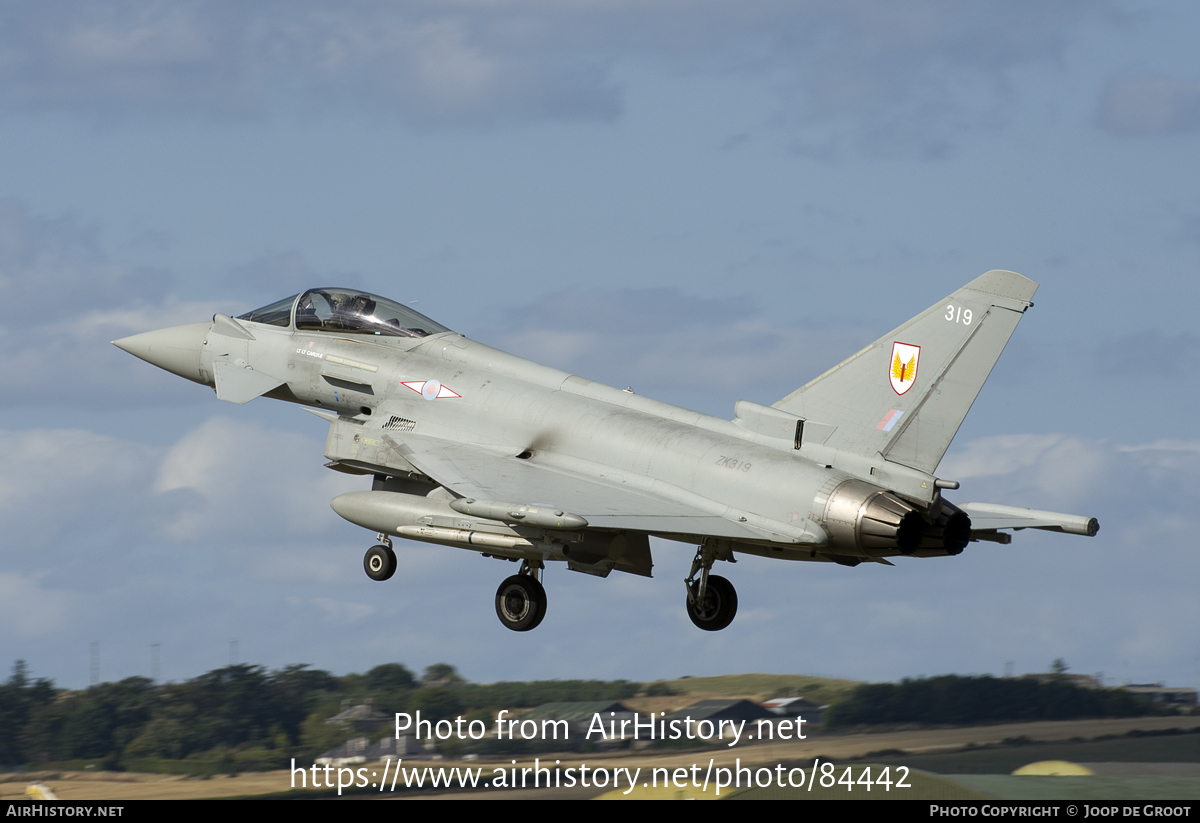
{"points": [[380, 561]]}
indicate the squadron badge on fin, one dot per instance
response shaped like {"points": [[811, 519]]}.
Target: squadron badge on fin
{"points": [[903, 369]]}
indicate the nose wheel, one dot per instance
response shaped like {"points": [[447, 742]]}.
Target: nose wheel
{"points": [[380, 562], [521, 602]]}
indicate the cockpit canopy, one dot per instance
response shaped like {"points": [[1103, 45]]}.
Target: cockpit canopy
{"points": [[345, 311]]}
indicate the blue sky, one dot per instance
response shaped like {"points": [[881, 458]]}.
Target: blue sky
{"points": [[705, 200]]}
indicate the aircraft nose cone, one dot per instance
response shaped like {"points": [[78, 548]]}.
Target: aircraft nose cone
{"points": [[175, 349]]}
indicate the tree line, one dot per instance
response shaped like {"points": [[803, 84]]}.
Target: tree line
{"points": [[957, 700], [242, 717]]}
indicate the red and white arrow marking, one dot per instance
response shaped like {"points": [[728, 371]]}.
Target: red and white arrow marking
{"points": [[431, 389]]}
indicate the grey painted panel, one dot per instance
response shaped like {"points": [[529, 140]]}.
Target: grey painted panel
{"points": [[765, 420], [605, 503], [241, 384]]}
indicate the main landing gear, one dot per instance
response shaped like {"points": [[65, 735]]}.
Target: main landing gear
{"points": [[711, 600], [521, 599], [380, 561]]}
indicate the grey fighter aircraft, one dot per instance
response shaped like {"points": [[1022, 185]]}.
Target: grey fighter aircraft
{"points": [[468, 446]]}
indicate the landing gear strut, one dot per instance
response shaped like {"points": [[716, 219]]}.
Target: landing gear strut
{"points": [[711, 600], [521, 599]]}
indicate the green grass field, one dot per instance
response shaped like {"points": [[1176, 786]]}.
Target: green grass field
{"points": [[1158, 748], [764, 686]]}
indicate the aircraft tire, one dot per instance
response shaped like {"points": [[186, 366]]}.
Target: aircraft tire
{"points": [[379, 562], [719, 607], [521, 603]]}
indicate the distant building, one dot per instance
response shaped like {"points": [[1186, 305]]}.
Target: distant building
{"points": [[1167, 696], [364, 717], [361, 750], [793, 706], [715, 711], [755, 717], [579, 716], [1083, 681], [722, 709]]}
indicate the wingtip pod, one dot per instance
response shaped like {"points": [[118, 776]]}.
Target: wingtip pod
{"points": [[992, 516]]}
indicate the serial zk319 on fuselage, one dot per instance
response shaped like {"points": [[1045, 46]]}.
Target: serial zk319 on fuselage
{"points": [[471, 447]]}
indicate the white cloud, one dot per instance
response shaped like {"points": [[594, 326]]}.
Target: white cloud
{"points": [[56, 475], [1166, 455], [458, 62], [666, 339], [1002, 454], [249, 481], [73, 301], [1039, 471], [1051, 457], [72, 357], [229, 482]]}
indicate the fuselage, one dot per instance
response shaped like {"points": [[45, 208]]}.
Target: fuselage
{"points": [[504, 402], [472, 447], [515, 406], [766, 490]]}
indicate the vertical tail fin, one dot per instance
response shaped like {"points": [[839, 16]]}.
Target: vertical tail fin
{"points": [[904, 396]]}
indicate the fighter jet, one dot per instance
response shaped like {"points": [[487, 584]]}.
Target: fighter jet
{"points": [[470, 447]]}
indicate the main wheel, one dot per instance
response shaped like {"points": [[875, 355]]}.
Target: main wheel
{"points": [[521, 603], [719, 606], [380, 562]]}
